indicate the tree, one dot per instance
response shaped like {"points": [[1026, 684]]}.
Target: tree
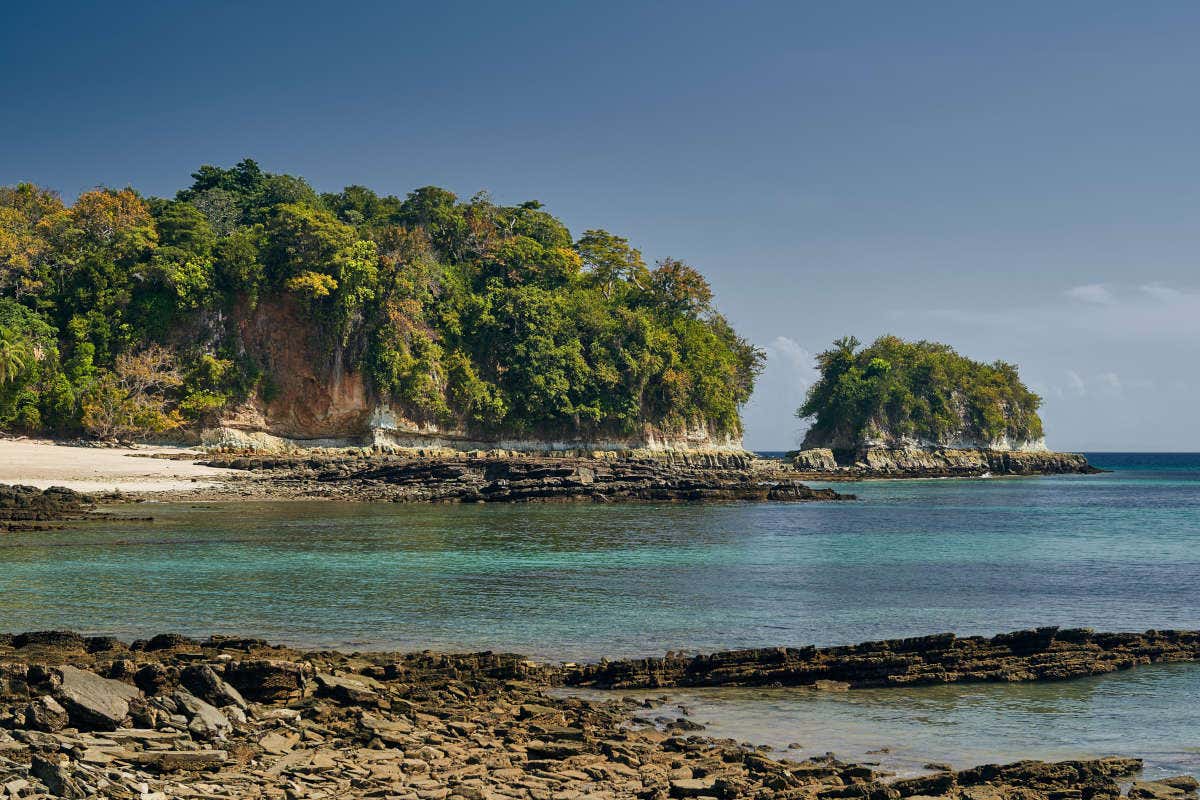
{"points": [[301, 239], [680, 289], [133, 399], [14, 357], [610, 260]]}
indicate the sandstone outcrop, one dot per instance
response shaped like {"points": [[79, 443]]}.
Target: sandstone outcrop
{"points": [[1034, 655], [423, 726]]}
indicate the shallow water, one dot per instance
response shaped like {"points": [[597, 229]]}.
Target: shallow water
{"points": [[1119, 551], [1148, 713]]}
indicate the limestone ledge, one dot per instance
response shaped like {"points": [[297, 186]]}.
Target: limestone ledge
{"points": [[936, 462]]}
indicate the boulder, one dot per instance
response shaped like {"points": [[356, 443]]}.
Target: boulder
{"points": [[267, 680], [93, 702], [203, 682], [205, 721], [349, 690]]}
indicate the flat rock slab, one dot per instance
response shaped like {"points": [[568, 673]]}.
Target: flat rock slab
{"points": [[93, 702], [179, 760]]}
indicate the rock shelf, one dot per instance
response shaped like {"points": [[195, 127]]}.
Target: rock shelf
{"points": [[489, 478], [172, 717], [1042, 654]]}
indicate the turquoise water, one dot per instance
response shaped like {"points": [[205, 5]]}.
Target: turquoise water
{"points": [[1117, 551], [1149, 713]]}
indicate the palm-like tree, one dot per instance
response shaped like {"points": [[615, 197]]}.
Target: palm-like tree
{"points": [[14, 358]]}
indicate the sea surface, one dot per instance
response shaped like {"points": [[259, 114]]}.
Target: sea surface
{"points": [[1118, 551]]}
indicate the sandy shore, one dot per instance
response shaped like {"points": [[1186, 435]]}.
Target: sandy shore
{"points": [[101, 469]]}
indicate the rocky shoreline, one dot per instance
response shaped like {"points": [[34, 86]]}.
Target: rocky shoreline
{"points": [[510, 477], [238, 718], [1043, 654], [941, 462], [27, 508]]}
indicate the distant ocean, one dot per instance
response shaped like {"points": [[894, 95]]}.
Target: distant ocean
{"points": [[1118, 551]]}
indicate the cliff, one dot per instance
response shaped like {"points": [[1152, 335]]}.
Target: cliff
{"points": [[318, 398]]}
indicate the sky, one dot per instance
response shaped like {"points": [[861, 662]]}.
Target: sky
{"points": [[1016, 179]]}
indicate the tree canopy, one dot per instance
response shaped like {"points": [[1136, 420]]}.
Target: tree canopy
{"points": [[472, 314], [893, 392]]}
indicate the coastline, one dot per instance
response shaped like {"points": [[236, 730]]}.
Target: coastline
{"points": [[235, 717], [182, 473]]}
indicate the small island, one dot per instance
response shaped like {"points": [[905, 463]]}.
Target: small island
{"points": [[920, 409]]}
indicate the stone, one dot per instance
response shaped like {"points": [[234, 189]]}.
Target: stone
{"points": [[179, 760], [93, 702], [205, 721], [203, 682], [693, 787], [55, 771], [45, 714], [554, 750], [349, 690]]}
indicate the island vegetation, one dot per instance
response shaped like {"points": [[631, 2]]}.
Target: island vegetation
{"points": [[119, 313], [895, 393]]}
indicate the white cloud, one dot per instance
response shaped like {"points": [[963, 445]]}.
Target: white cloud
{"points": [[1160, 291], [1076, 383], [1094, 293], [1109, 382], [770, 418]]}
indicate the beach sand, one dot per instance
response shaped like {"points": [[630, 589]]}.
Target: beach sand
{"points": [[101, 469]]}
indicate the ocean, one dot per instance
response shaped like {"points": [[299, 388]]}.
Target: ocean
{"points": [[1117, 551]]}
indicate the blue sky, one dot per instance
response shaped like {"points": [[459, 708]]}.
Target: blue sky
{"points": [[1017, 179]]}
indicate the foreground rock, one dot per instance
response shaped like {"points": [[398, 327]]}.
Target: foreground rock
{"points": [[489, 478], [269, 722], [916, 462], [23, 506], [1041, 654]]}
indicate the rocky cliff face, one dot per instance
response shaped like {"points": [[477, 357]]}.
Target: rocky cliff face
{"points": [[317, 401], [915, 462]]}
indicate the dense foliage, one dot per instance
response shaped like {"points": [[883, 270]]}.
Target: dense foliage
{"points": [[118, 313], [922, 391]]}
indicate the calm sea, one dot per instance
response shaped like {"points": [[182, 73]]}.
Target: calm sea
{"points": [[1119, 551]]}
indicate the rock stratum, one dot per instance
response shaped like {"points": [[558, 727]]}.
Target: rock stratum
{"points": [[227, 717], [1043, 654], [939, 462], [512, 477]]}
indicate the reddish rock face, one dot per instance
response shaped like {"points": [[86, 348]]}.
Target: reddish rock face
{"points": [[314, 394]]}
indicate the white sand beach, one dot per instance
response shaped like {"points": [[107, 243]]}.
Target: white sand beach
{"points": [[43, 464]]}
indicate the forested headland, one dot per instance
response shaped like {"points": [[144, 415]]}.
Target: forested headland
{"points": [[895, 393], [124, 315]]}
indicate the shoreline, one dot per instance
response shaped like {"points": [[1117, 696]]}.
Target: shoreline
{"points": [[234, 717], [185, 474]]}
